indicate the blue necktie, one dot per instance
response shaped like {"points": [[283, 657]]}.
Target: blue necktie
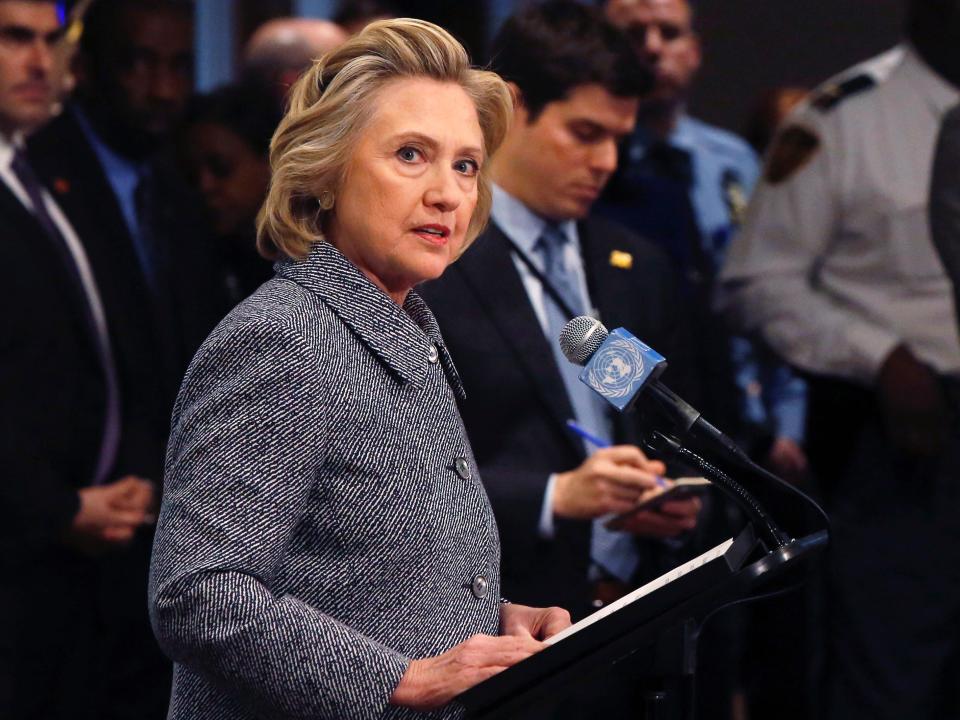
{"points": [[614, 552], [144, 242], [111, 422]]}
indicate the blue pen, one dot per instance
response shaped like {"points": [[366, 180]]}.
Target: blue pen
{"points": [[587, 435], [600, 443]]}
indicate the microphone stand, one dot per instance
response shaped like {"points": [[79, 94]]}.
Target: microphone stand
{"points": [[779, 546], [716, 457], [766, 526], [691, 426]]}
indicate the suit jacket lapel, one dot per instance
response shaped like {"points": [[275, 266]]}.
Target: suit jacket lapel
{"points": [[608, 285], [488, 268], [16, 217], [616, 292], [23, 228]]}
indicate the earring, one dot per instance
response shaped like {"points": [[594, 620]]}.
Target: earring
{"points": [[326, 199]]}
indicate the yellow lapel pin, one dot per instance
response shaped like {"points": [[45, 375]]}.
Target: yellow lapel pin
{"points": [[621, 259]]}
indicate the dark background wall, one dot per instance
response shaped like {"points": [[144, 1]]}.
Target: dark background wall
{"points": [[751, 46]]}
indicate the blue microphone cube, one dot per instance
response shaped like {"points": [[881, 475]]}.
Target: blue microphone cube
{"points": [[621, 367]]}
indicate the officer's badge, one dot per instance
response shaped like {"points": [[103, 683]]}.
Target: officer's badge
{"points": [[621, 259], [793, 148], [735, 197]]}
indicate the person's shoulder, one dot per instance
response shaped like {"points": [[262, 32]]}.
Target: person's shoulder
{"points": [[64, 145], [63, 126], [843, 107], [856, 84], [490, 234], [488, 245], [279, 313], [721, 142], [60, 142]]}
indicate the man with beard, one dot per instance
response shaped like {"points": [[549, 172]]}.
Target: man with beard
{"points": [[104, 160]]}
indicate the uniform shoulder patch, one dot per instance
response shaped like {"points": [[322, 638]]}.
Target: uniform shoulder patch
{"points": [[829, 96], [792, 149]]}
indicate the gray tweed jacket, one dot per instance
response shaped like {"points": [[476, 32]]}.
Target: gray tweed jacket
{"points": [[323, 521]]}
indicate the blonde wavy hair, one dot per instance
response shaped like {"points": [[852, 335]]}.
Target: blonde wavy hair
{"points": [[331, 104]]}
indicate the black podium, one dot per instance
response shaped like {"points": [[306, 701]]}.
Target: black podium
{"points": [[670, 604], [669, 611]]}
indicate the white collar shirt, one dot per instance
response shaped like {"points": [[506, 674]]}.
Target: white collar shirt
{"points": [[835, 265], [8, 146], [524, 228]]}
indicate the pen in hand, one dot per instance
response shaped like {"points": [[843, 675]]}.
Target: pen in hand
{"points": [[599, 443], [578, 429]]}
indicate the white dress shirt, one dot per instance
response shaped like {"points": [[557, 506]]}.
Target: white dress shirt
{"points": [[524, 228], [835, 265]]}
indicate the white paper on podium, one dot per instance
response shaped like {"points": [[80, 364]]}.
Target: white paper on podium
{"points": [[643, 590]]}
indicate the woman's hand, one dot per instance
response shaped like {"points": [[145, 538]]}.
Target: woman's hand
{"points": [[435, 681], [538, 623]]}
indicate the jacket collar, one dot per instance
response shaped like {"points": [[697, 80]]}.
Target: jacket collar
{"points": [[400, 337]]}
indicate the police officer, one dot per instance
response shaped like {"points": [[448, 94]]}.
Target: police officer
{"points": [[836, 269], [715, 171]]}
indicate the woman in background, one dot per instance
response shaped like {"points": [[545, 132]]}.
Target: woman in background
{"points": [[225, 150]]}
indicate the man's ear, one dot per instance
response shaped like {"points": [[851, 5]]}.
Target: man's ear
{"points": [[80, 68], [520, 113], [697, 53]]}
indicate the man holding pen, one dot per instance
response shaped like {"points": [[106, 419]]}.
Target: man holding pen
{"points": [[542, 261]]}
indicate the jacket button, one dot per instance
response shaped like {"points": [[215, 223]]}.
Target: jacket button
{"points": [[433, 356], [480, 587], [462, 466]]}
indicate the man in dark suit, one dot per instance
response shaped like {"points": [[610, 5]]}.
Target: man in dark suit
{"points": [[541, 261], [104, 159], [72, 500]]}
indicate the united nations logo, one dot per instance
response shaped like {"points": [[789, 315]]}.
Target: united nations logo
{"points": [[616, 369]]}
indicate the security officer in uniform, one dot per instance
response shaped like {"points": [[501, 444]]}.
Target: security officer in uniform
{"points": [[836, 270], [712, 173]]}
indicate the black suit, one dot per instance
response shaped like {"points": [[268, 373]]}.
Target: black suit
{"points": [[56, 603], [517, 406], [155, 334], [52, 394], [945, 199], [75, 638]]}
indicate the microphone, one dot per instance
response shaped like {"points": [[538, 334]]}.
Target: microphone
{"points": [[620, 367]]}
